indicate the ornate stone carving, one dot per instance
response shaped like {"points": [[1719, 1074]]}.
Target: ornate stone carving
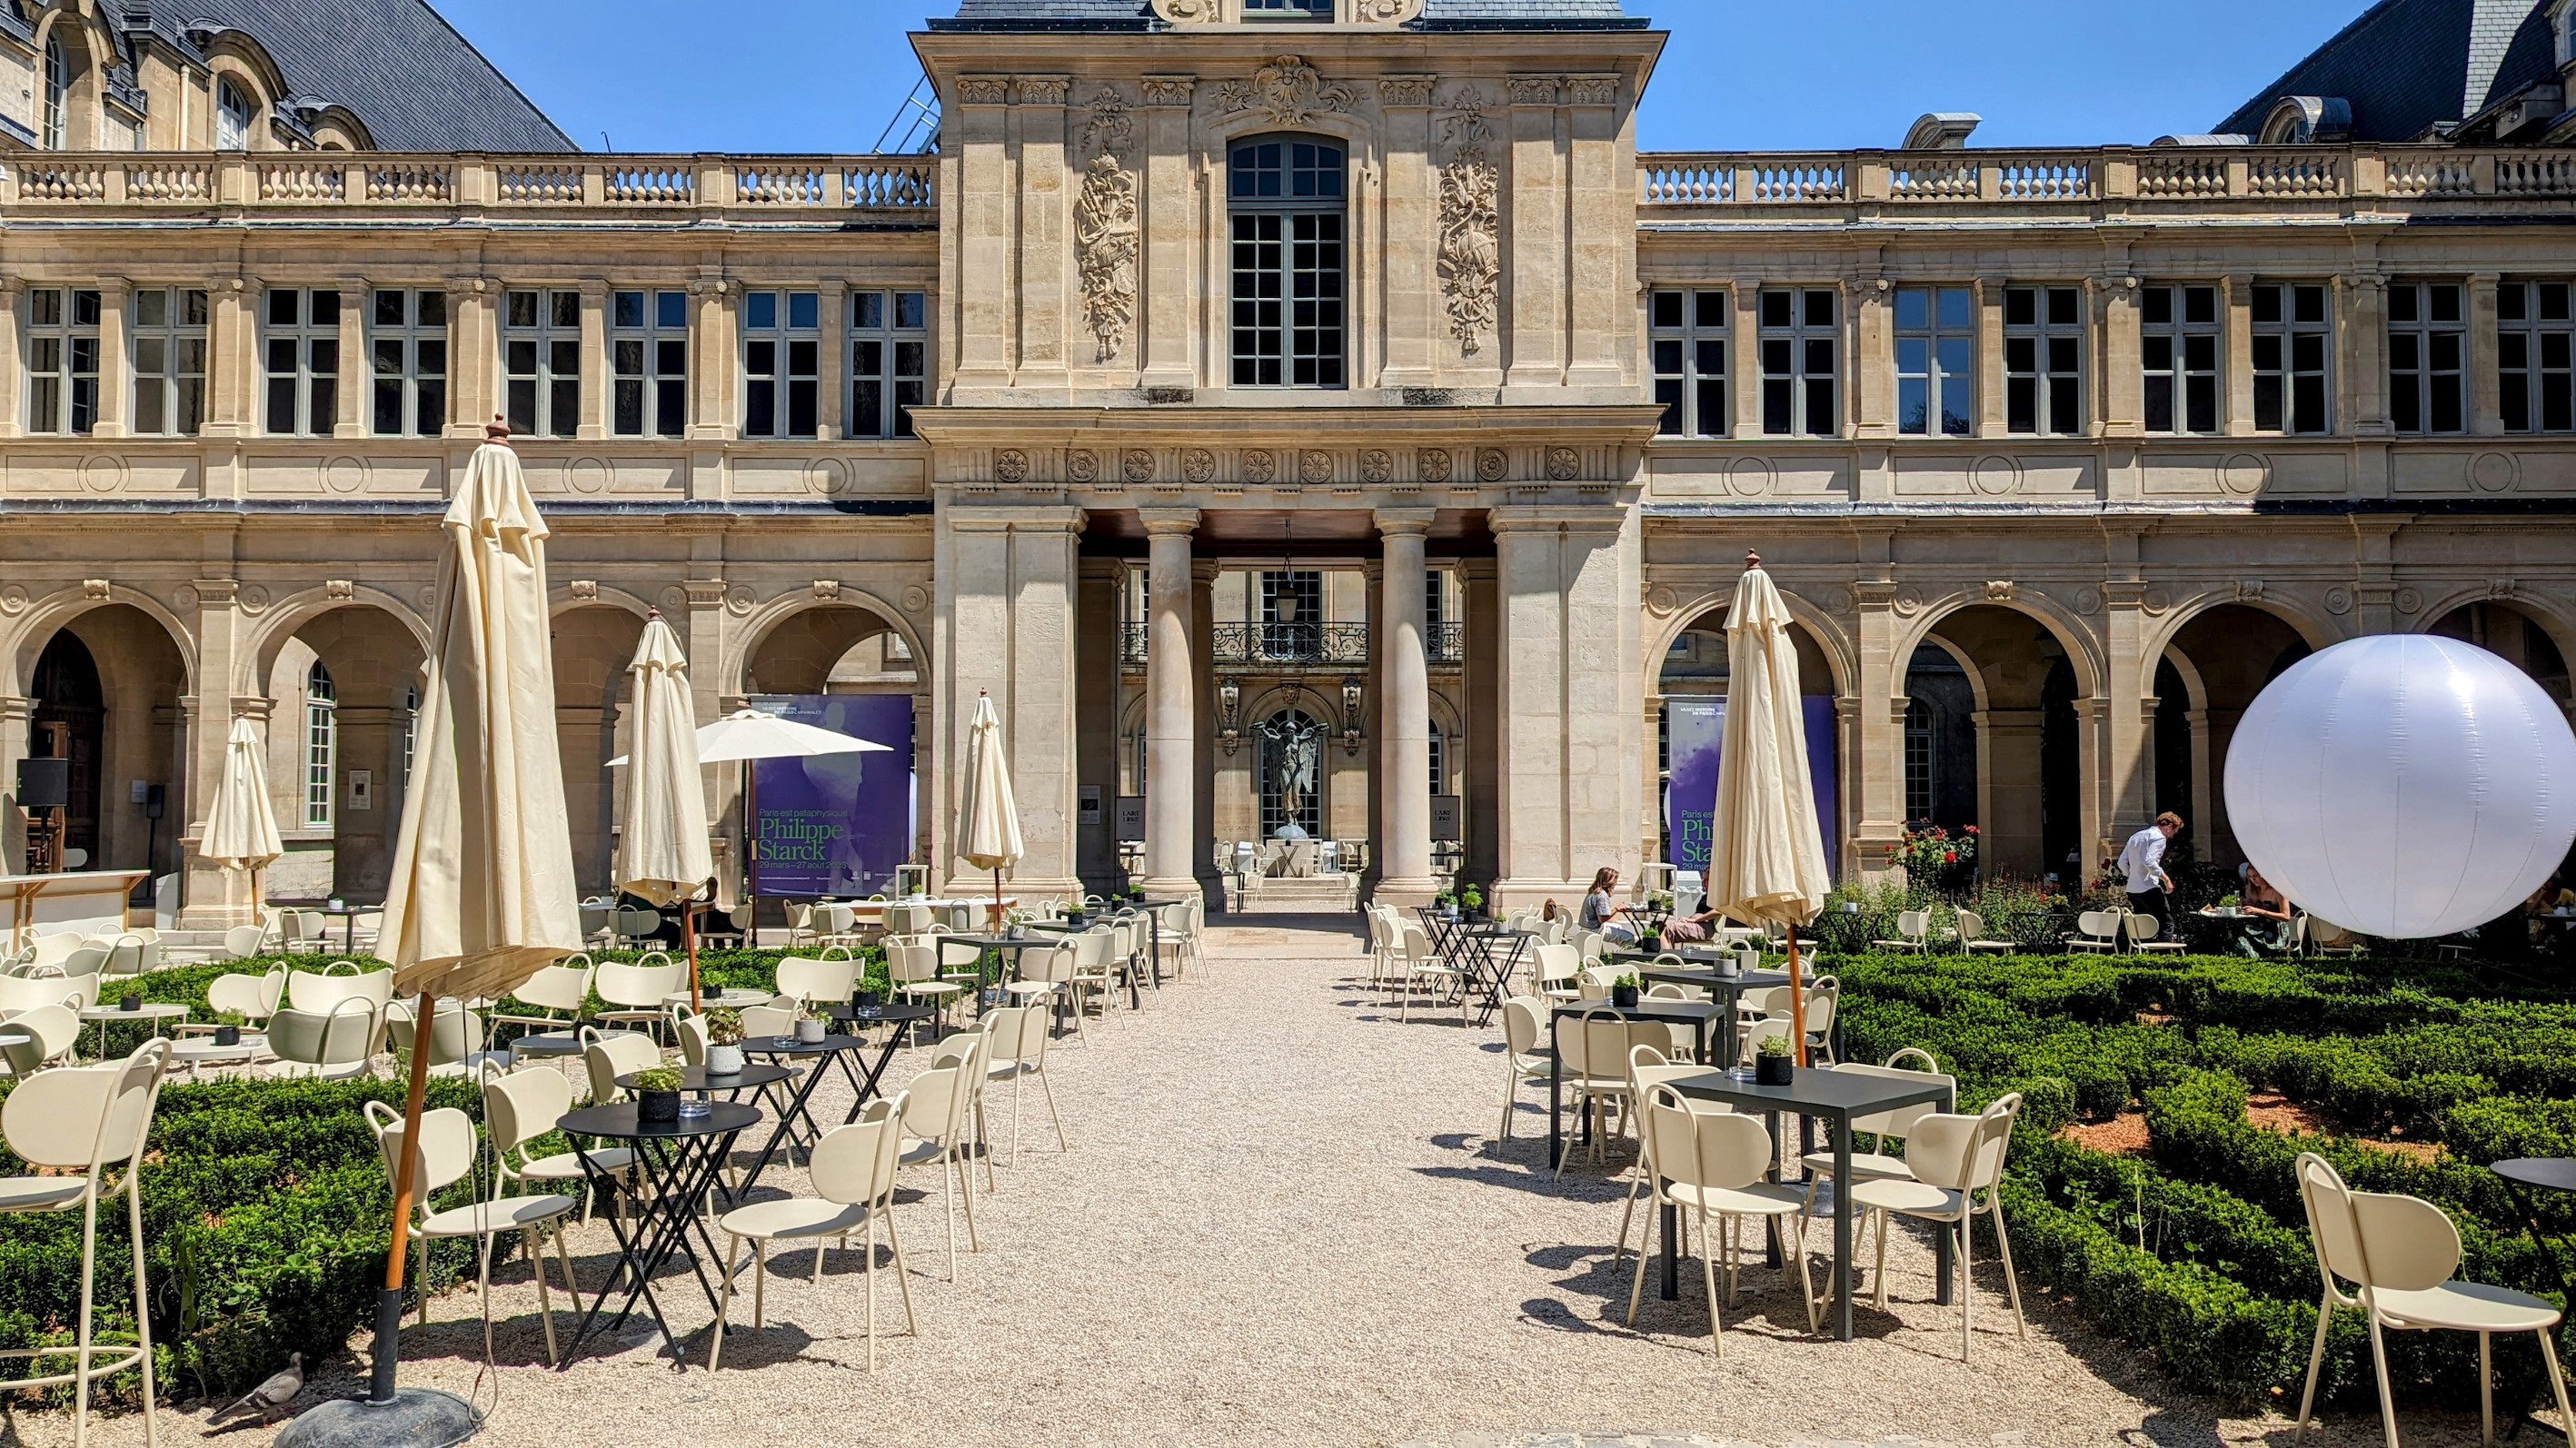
{"points": [[1470, 252], [1167, 90], [1908, 601], [983, 90], [1405, 90], [1314, 466], [254, 598], [1289, 89], [2338, 600], [2249, 590], [2157, 600], [1136, 465], [2409, 601], [94, 588], [1106, 242], [1492, 464], [739, 600], [2088, 601], [1011, 465], [828, 589], [2001, 590], [1110, 124], [1260, 467], [1530, 90], [1385, 12], [1186, 12], [1198, 465], [2500, 588], [583, 590], [1082, 465], [183, 598], [13, 599], [1433, 463], [1376, 466], [1564, 464], [1043, 90], [1661, 600], [1592, 90], [915, 598]]}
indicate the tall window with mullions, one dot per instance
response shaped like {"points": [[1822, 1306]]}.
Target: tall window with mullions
{"points": [[2536, 357], [648, 353], [1285, 202]]}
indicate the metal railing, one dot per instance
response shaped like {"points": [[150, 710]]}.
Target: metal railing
{"points": [[897, 186], [1754, 181], [1292, 645]]}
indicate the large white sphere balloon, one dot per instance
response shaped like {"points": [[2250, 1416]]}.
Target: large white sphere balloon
{"points": [[2403, 785]]}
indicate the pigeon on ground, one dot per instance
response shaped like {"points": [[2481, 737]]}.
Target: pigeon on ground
{"points": [[272, 1396]]}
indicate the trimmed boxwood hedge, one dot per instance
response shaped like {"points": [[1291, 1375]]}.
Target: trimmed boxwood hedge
{"points": [[265, 1212]]}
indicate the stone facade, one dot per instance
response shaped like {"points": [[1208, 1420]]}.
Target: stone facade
{"points": [[2040, 613]]}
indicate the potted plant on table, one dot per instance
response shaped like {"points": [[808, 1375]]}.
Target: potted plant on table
{"points": [[657, 1095], [1448, 905], [1772, 1062], [228, 1027], [1471, 900], [810, 1027], [724, 1042], [1623, 991]]}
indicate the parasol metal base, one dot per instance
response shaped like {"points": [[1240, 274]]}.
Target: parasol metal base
{"points": [[415, 1418]]}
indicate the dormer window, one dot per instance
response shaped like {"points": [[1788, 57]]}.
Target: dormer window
{"points": [[58, 92], [234, 110]]}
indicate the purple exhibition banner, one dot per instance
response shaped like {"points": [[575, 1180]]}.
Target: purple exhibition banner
{"points": [[1695, 736], [837, 824]]}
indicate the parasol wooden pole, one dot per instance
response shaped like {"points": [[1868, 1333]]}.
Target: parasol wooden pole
{"points": [[389, 1301], [751, 842], [689, 941], [1797, 1002]]}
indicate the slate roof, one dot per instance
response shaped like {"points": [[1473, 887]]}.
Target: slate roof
{"points": [[2409, 65], [396, 64], [1139, 15]]}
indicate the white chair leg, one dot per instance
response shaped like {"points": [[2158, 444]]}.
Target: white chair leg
{"points": [[948, 1199], [2557, 1380], [2379, 1365], [1046, 1088], [902, 1278], [1806, 1280], [80, 1364], [1967, 1285], [2486, 1389], [143, 1320], [2316, 1364], [724, 1303], [2012, 1280], [868, 1270], [1637, 1288], [1708, 1278], [759, 1282], [545, 1299], [966, 1189]]}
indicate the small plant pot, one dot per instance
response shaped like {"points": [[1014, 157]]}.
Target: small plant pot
{"points": [[130, 1004], [870, 1000], [809, 1031], [724, 1060], [1729, 967], [227, 1035], [1624, 997], [1773, 1070], [657, 1106]]}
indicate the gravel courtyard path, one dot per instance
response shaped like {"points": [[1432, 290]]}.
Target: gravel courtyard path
{"points": [[1284, 1220]]}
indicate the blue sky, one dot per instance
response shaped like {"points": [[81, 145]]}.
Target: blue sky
{"points": [[825, 75]]}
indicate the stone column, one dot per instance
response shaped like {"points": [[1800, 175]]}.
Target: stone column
{"points": [[215, 898], [1411, 219], [1171, 218], [362, 844], [597, 380], [355, 397], [12, 362], [1404, 711], [115, 363], [473, 358], [2008, 791], [1534, 231], [2121, 399], [1045, 231], [2486, 387], [16, 717], [1876, 766], [1171, 702], [1006, 579], [831, 373], [2129, 769], [1476, 582], [711, 360], [1992, 418], [2204, 794], [2236, 344], [2363, 327], [1570, 680], [976, 241], [1203, 573]]}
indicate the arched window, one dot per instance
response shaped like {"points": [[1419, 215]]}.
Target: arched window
{"points": [[321, 745], [1285, 205], [58, 91], [1919, 761], [234, 111]]}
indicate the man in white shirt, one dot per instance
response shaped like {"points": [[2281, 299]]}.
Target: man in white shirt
{"points": [[2142, 861]]}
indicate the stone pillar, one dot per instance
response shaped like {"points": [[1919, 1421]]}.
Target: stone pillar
{"points": [[2120, 403], [975, 236], [2203, 793], [831, 373], [2236, 344], [13, 378], [1044, 232], [16, 717], [1992, 419], [1534, 231], [597, 380], [1411, 210], [1570, 679], [1404, 711], [2363, 327], [356, 394], [1171, 701], [1601, 268], [115, 363], [1203, 573], [1476, 581], [1876, 770], [215, 898], [2129, 768], [473, 357], [1171, 201], [1006, 578], [712, 361], [2008, 789], [362, 840], [2486, 388]]}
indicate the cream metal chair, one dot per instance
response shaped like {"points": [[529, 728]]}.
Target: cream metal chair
{"points": [[1958, 1168], [244, 941], [549, 1003], [1593, 1065], [2399, 1252], [1420, 964], [86, 1120], [853, 1170], [322, 991], [1524, 1059], [521, 1106], [53, 1035], [454, 1035], [1557, 972], [52, 950], [1751, 1035], [315, 1046], [606, 1057], [1095, 971], [1715, 1162], [2143, 933], [1684, 1039], [1046, 985], [2096, 930], [813, 982], [633, 994], [1647, 1069], [912, 969], [1972, 936], [1911, 928], [934, 1122], [26, 992], [1383, 925], [1882, 1127], [635, 925], [1824, 998], [131, 953], [1018, 1036], [252, 997], [446, 1157]]}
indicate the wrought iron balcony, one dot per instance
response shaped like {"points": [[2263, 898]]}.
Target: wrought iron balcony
{"points": [[1445, 643], [1298, 646]]}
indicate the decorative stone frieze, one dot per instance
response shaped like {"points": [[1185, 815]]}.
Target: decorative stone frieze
{"points": [[1530, 90], [1470, 256], [1406, 90], [1082, 465], [1260, 468], [1433, 464], [1106, 246], [1289, 90], [1162, 91], [1011, 465], [1044, 90], [1592, 90], [983, 90]]}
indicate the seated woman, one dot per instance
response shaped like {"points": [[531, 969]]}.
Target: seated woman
{"points": [[1692, 929], [1599, 914], [2263, 914]]}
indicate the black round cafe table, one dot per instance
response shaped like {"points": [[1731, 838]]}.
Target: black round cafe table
{"points": [[2525, 1174], [695, 1078], [678, 1161]]}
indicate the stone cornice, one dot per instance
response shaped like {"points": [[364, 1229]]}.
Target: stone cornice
{"points": [[1286, 427]]}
